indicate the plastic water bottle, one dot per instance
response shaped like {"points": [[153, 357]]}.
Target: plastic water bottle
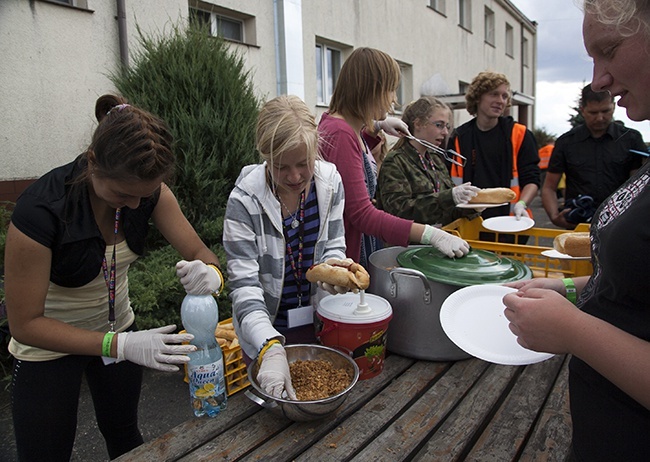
{"points": [[205, 370]]}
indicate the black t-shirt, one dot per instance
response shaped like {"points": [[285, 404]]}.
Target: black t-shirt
{"points": [[56, 212], [607, 423], [596, 167]]}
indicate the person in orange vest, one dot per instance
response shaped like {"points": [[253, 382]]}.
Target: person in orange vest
{"points": [[499, 151], [544, 157]]}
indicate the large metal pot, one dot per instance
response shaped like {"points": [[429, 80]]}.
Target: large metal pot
{"points": [[416, 298]]}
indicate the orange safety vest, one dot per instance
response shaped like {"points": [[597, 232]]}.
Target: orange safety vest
{"points": [[545, 155], [517, 138]]}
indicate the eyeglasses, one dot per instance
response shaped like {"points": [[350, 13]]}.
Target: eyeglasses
{"points": [[440, 125]]}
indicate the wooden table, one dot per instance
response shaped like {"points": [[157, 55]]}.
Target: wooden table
{"points": [[413, 410]]}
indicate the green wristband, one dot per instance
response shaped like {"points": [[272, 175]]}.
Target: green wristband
{"points": [[571, 293], [106, 344]]}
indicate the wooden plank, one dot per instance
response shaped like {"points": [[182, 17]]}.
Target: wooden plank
{"points": [[450, 440], [551, 437], [289, 443], [509, 428], [360, 428], [238, 440], [192, 433], [404, 436]]}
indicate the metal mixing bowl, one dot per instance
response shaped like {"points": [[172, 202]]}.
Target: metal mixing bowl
{"points": [[302, 411]]}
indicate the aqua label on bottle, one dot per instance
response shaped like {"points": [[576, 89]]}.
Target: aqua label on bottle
{"points": [[207, 388]]}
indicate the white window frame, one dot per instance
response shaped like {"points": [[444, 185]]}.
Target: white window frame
{"points": [[510, 40], [465, 14], [489, 26], [328, 62]]}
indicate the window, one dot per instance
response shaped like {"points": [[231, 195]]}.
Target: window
{"points": [[77, 3], [489, 26], [438, 5], [465, 14], [524, 52], [328, 65], [404, 92], [510, 41], [224, 26]]}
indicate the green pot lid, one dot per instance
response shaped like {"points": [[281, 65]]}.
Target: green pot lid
{"points": [[477, 267]]}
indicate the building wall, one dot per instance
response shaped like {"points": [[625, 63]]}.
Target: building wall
{"points": [[55, 64], [56, 59]]}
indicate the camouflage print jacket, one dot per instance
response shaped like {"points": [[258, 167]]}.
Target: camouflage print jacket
{"points": [[407, 190]]}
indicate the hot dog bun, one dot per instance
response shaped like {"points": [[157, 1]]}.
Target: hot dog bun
{"points": [[573, 244], [493, 196], [353, 276]]}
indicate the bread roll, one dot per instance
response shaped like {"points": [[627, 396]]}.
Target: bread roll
{"points": [[493, 196], [353, 276], [573, 244]]}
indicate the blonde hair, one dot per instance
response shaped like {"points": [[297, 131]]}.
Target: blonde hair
{"points": [[627, 16], [285, 123], [420, 110], [483, 83], [366, 82]]}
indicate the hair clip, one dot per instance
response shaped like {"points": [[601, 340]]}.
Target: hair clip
{"points": [[119, 108]]}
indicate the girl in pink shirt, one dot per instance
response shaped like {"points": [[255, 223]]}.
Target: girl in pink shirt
{"points": [[365, 92]]}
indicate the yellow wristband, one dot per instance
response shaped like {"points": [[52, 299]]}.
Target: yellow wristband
{"points": [[265, 348], [106, 344], [216, 268]]}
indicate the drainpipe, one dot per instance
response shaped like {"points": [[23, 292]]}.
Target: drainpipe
{"points": [[121, 30]]}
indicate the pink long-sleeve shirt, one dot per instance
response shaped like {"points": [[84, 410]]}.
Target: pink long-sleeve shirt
{"points": [[341, 146]]}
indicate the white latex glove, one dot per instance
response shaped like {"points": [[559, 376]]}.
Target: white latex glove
{"points": [[393, 126], [463, 193], [336, 289], [520, 210], [197, 277], [274, 376], [154, 348], [448, 244], [333, 289]]}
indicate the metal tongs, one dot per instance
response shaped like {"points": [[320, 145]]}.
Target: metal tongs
{"points": [[448, 155]]}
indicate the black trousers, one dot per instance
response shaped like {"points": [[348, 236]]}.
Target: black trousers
{"points": [[45, 398]]}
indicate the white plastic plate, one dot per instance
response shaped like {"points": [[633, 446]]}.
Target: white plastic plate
{"points": [[562, 256], [479, 206], [472, 317], [508, 224]]}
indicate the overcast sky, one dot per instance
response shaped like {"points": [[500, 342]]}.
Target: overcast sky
{"points": [[563, 66]]}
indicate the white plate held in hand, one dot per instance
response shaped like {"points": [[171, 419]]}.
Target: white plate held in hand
{"points": [[472, 318], [508, 224]]}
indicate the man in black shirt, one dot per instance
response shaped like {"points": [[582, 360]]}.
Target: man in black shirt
{"points": [[596, 159]]}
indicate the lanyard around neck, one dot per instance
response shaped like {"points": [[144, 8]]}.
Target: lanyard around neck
{"points": [[110, 277], [296, 267], [433, 176]]}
